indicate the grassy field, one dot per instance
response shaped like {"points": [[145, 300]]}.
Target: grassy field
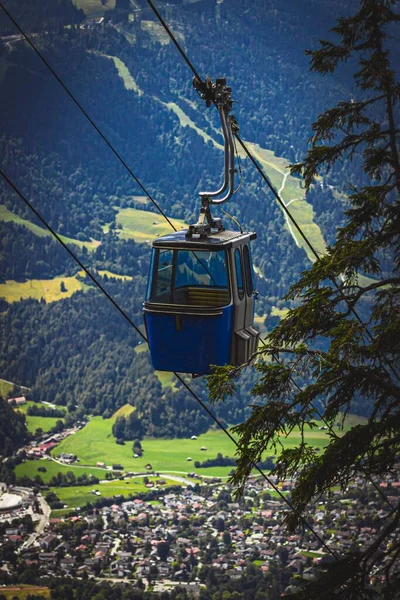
{"points": [[6, 388], [143, 226], [24, 407], [158, 33], [31, 469], [279, 312], [274, 166], [96, 443], [123, 72], [79, 495], [44, 423], [110, 275], [22, 591], [186, 121], [293, 195], [303, 213], [49, 289], [166, 379], [33, 422], [94, 8], [8, 216], [124, 411], [141, 347]]}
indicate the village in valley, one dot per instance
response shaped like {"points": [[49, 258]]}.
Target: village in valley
{"points": [[175, 530]]}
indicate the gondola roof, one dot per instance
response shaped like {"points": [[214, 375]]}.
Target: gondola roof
{"points": [[221, 240]]}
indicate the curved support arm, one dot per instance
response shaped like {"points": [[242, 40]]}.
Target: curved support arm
{"points": [[230, 175], [228, 161]]}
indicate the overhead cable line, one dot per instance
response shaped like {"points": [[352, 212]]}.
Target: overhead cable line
{"points": [[284, 207], [177, 375], [236, 134], [72, 254], [88, 117], [271, 187], [93, 279], [136, 179]]}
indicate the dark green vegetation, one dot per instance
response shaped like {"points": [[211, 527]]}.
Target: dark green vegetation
{"points": [[13, 431], [38, 15], [219, 586], [341, 337], [79, 350], [37, 257]]}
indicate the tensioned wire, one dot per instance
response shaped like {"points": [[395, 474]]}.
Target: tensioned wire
{"points": [[179, 377], [269, 184], [116, 153], [88, 117], [284, 207]]}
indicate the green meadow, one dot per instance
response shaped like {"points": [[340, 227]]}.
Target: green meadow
{"points": [[143, 225], [6, 388], [166, 378], [43, 423], [95, 442], [34, 422], [77, 496], [303, 213], [30, 468], [8, 216], [123, 72], [24, 407], [49, 289], [94, 8]]}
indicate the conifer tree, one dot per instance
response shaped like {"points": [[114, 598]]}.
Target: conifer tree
{"points": [[339, 343]]}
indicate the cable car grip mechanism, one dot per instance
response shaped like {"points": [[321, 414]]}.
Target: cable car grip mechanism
{"points": [[220, 94]]}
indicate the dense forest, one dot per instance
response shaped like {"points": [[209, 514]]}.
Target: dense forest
{"points": [[12, 429], [79, 350]]}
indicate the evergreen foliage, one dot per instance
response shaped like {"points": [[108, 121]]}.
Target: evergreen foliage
{"points": [[13, 430], [37, 15], [341, 337]]}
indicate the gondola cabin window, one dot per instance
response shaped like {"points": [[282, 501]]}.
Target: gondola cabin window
{"points": [[248, 269], [239, 274], [188, 277]]}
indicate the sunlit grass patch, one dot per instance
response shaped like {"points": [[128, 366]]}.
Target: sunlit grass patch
{"points": [[48, 289]]}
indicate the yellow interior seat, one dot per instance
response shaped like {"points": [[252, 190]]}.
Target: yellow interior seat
{"points": [[207, 296]]}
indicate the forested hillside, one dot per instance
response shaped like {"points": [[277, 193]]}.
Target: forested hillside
{"points": [[12, 429], [138, 90]]}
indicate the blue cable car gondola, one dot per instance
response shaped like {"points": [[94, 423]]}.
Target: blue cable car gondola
{"points": [[199, 307]]}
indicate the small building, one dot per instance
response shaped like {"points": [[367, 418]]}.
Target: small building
{"points": [[48, 542], [68, 458], [101, 465], [45, 448], [17, 401]]}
